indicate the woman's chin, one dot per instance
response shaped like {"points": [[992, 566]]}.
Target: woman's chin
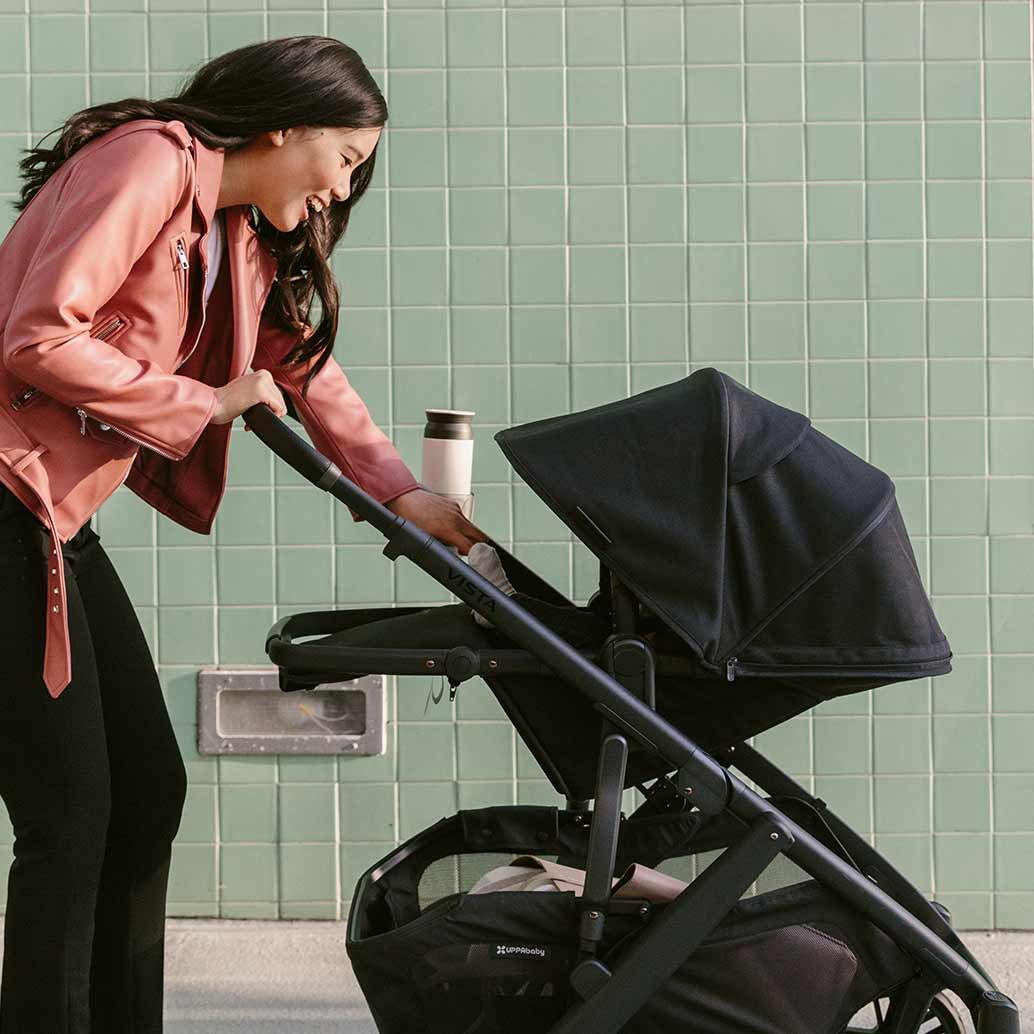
{"points": [[286, 220]]}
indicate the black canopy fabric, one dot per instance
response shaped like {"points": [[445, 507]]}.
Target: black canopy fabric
{"points": [[775, 559], [778, 558], [771, 557]]}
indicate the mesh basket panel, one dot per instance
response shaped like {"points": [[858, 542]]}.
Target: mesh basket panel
{"points": [[780, 873], [456, 874]]}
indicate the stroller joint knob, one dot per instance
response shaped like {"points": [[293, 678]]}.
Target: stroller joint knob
{"points": [[461, 663]]}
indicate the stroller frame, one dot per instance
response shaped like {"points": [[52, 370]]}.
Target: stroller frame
{"points": [[620, 688]]}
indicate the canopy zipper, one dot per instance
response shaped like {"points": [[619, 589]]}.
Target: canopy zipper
{"points": [[734, 667], [831, 562]]}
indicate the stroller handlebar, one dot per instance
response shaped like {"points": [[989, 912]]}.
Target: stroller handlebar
{"points": [[290, 447], [315, 467]]}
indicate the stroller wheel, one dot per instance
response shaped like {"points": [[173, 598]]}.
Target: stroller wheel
{"points": [[943, 1017]]}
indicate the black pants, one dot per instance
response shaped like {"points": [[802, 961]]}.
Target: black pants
{"points": [[94, 784]]}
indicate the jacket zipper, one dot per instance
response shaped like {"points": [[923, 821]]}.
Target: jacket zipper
{"points": [[125, 434], [26, 395], [108, 329], [734, 666], [203, 252], [181, 279]]}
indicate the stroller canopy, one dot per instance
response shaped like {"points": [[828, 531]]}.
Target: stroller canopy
{"points": [[766, 547]]}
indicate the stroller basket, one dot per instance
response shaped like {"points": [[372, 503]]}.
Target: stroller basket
{"points": [[430, 956]]}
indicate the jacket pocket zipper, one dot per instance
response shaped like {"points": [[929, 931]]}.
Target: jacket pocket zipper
{"points": [[125, 434], [108, 328], [204, 307], [734, 666], [180, 264], [24, 397], [31, 392]]}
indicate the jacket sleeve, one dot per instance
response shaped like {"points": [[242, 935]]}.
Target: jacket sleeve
{"points": [[109, 210], [336, 419]]}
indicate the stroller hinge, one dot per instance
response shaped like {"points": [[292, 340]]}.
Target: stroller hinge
{"points": [[630, 659], [588, 977], [697, 784], [461, 663]]}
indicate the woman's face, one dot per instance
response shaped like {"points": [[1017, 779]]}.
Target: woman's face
{"points": [[307, 163]]}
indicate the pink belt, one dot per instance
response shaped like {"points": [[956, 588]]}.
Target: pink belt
{"points": [[57, 654]]}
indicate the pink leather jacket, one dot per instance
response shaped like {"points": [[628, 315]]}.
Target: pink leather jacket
{"points": [[109, 358]]}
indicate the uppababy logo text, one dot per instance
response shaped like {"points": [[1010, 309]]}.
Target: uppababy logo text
{"points": [[504, 950]]}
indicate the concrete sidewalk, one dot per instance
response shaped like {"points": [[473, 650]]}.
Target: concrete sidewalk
{"points": [[227, 976], [232, 977], [259, 977]]}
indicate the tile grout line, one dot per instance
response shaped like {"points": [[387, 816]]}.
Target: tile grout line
{"points": [[866, 359], [508, 327], [393, 740], [985, 284]]}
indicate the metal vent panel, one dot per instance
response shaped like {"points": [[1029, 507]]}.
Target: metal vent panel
{"points": [[244, 711]]}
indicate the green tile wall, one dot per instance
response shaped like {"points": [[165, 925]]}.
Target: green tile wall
{"points": [[830, 201]]}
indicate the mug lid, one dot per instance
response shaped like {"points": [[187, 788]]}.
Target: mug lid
{"points": [[449, 415]]}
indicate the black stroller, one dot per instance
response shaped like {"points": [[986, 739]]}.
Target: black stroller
{"points": [[750, 567]]}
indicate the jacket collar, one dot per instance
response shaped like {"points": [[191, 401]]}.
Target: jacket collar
{"points": [[208, 162]]}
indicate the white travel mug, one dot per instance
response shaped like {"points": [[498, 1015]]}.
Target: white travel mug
{"points": [[448, 457]]}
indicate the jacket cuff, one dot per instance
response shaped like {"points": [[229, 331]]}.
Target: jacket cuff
{"points": [[186, 444]]}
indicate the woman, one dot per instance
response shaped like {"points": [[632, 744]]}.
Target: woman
{"points": [[162, 249]]}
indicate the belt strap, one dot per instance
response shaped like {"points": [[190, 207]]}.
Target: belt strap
{"points": [[57, 654]]}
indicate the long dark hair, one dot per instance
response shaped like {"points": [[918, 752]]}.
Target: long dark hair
{"points": [[276, 84]]}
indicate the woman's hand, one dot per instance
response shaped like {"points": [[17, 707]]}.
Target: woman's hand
{"points": [[243, 392], [438, 516]]}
